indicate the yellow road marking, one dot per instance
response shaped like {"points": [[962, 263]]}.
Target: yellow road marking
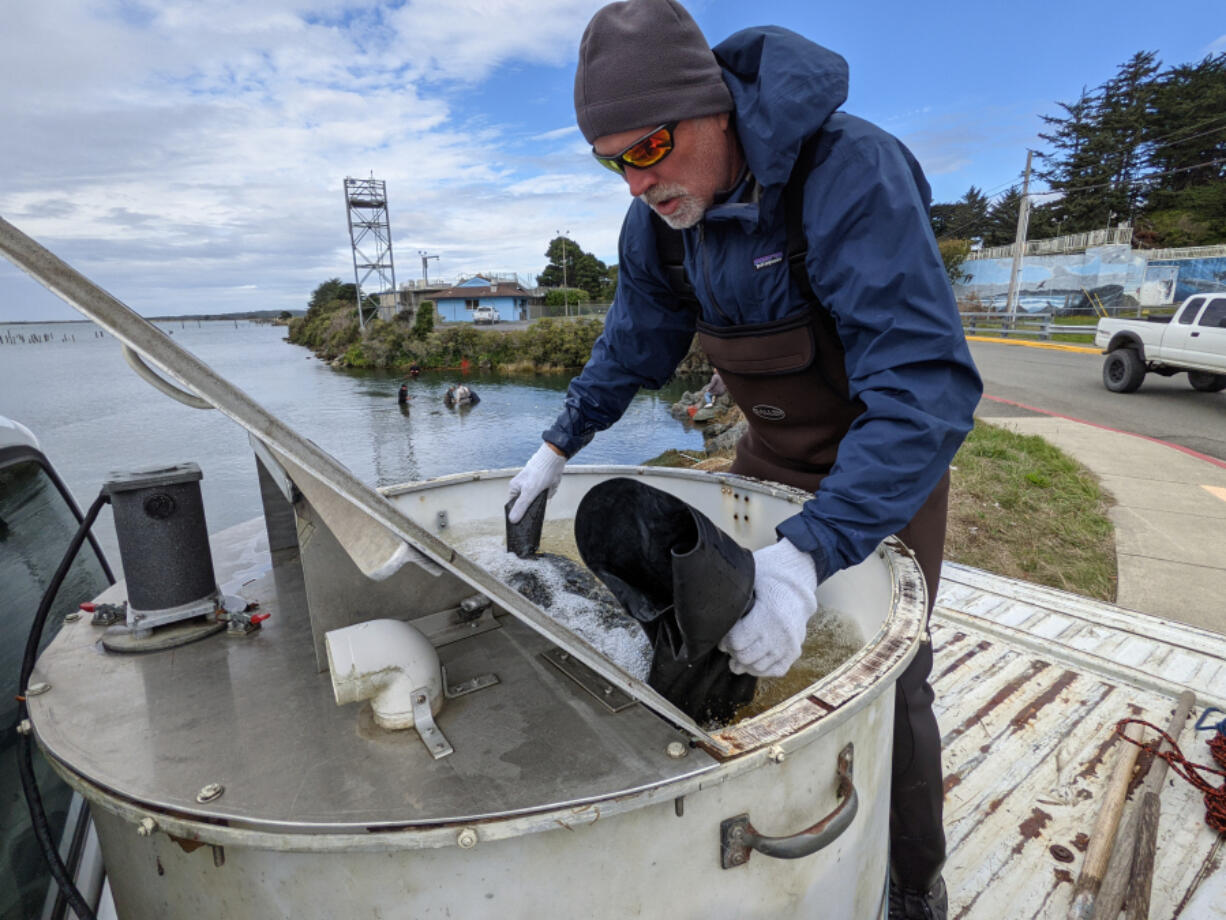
{"points": [[1054, 346], [1217, 491]]}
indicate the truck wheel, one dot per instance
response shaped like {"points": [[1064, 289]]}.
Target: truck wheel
{"points": [[1206, 382], [1123, 371]]}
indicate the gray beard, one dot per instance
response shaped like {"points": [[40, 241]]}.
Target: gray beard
{"points": [[688, 212]]}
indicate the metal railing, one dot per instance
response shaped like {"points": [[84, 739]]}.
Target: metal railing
{"points": [[573, 311], [1072, 242], [1038, 326], [1186, 252]]}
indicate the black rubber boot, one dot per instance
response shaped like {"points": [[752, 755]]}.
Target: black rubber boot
{"points": [[524, 538], [906, 904], [685, 580]]}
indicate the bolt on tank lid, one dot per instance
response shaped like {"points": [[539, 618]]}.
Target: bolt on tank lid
{"points": [[129, 480]]}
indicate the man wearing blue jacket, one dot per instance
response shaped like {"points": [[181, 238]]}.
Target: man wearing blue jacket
{"points": [[806, 263]]}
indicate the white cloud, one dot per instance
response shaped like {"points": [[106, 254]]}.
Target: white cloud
{"points": [[1218, 44], [467, 39], [194, 152], [556, 133]]}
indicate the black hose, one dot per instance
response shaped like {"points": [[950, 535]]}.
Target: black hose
{"points": [[25, 762]]}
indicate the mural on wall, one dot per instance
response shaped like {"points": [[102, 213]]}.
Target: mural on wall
{"points": [[1114, 275], [1159, 285], [1196, 276]]}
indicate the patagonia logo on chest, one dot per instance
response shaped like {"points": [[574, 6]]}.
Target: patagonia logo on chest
{"points": [[770, 413], [765, 261]]}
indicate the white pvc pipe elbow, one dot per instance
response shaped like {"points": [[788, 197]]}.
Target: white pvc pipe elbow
{"points": [[384, 661]]}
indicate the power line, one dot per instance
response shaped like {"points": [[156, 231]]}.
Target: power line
{"points": [[1142, 180], [1188, 128], [952, 231], [1085, 188], [1005, 188], [1184, 140]]}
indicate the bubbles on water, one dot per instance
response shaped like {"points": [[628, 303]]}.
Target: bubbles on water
{"points": [[563, 588], [574, 597]]}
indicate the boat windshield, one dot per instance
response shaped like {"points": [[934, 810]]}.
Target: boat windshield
{"points": [[37, 521]]}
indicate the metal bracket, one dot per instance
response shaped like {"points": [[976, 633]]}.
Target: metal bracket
{"points": [[465, 687], [423, 721], [609, 696], [457, 623], [109, 614]]}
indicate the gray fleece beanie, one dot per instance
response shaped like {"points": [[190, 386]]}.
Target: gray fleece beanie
{"points": [[643, 63]]}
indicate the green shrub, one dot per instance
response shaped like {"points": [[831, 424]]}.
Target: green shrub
{"points": [[423, 324]]}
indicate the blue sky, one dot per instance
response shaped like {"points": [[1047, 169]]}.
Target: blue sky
{"points": [[189, 156]]}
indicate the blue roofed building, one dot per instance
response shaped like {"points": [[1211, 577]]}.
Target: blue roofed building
{"points": [[508, 297]]}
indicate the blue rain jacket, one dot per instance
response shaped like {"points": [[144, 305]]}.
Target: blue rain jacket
{"points": [[872, 261]]}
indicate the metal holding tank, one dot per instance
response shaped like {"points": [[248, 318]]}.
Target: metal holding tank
{"points": [[227, 781]]}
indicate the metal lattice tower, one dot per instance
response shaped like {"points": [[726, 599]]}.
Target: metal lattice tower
{"points": [[370, 234]]}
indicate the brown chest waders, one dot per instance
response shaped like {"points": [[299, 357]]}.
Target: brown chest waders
{"points": [[789, 378]]}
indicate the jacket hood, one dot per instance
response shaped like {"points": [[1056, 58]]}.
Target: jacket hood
{"points": [[784, 87]]}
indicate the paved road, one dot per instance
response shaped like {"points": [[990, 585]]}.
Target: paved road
{"points": [[1070, 383]]}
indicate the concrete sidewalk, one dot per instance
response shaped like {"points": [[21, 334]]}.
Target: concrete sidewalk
{"points": [[1170, 515]]}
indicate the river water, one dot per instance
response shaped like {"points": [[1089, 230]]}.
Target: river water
{"points": [[92, 414]]}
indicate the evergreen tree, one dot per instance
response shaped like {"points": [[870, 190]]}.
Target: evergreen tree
{"points": [[590, 274], [1000, 224], [1072, 167], [1123, 109], [582, 269], [561, 251], [1185, 150], [1045, 220], [1143, 146], [964, 219], [331, 290], [609, 291], [423, 322]]}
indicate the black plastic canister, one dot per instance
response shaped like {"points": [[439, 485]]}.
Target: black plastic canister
{"points": [[163, 539]]}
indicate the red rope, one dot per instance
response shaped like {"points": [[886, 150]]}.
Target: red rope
{"points": [[1215, 796]]}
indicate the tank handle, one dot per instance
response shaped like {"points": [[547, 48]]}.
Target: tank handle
{"points": [[737, 837]]}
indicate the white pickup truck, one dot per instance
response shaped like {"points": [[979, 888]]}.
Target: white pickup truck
{"points": [[1193, 340]]}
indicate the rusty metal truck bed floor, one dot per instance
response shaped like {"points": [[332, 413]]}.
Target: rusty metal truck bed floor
{"points": [[1029, 684]]}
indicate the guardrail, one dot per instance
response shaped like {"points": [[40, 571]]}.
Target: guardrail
{"points": [[1025, 325]]}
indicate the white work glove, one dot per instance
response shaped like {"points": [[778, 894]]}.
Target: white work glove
{"points": [[543, 471], [767, 640]]}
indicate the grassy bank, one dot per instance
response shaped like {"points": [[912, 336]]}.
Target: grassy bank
{"points": [[1018, 507], [1022, 508], [546, 345], [330, 329]]}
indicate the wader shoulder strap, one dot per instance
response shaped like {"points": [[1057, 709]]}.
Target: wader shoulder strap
{"points": [[670, 246], [794, 217], [670, 251]]}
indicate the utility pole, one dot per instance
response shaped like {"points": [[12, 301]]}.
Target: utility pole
{"points": [[1019, 243], [565, 291], [425, 270]]}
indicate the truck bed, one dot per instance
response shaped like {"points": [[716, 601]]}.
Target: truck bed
{"points": [[1029, 683]]}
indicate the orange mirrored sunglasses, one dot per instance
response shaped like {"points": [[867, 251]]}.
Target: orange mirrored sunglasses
{"points": [[643, 153]]}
